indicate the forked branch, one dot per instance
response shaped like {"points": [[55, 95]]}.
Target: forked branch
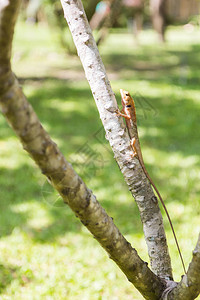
{"points": [[73, 190], [52, 163], [118, 138]]}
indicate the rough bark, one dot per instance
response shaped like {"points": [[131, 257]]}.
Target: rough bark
{"points": [[60, 173], [118, 138], [74, 192], [7, 25], [52, 163], [189, 287], [81, 200]]}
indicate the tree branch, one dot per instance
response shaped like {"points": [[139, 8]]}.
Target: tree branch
{"points": [[189, 287], [7, 24], [74, 192], [119, 139]]}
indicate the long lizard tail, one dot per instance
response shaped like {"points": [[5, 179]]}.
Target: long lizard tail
{"points": [[170, 222]]}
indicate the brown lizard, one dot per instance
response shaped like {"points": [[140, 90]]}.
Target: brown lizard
{"points": [[129, 113]]}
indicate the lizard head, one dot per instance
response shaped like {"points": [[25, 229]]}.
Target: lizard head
{"points": [[126, 98]]}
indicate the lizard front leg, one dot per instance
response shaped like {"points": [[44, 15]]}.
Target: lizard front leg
{"points": [[122, 114]]}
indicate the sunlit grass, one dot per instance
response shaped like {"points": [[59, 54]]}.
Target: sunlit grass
{"points": [[45, 251]]}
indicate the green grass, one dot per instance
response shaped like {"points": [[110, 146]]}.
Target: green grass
{"points": [[45, 251]]}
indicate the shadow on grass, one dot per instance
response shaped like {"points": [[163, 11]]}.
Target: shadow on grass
{"points": [[71, 117], [10, 273], [127, 220], [7, 275], [16, 186], [21, 201], [176, 121], [160, 65], [61, 219], [177, 118]]}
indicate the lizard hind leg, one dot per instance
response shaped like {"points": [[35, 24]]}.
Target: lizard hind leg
{"points": [[132, 143]]}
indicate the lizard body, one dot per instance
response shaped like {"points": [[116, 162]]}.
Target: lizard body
{"points": [[129, 113]]}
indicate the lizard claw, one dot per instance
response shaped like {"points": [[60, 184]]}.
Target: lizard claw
{"points": [[117, 111]]}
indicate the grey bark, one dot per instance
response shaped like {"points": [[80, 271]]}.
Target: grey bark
{"points": [[189, 287], [52, 163], [119, 139], [22, 118]]}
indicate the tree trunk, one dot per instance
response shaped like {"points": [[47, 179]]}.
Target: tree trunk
{"points": [[119, 140], [90, 6], [158, 15]]}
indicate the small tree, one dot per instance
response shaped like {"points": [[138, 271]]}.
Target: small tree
{"points": [[152, 284]]}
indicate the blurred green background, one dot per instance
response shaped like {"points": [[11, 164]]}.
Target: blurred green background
{"points": [[45, 251]]}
